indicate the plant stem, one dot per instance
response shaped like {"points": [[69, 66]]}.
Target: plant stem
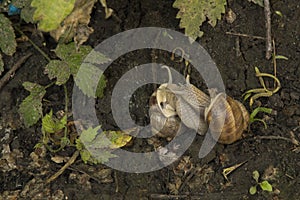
{"points": [[14, 68], [268, 29], [34, 45], [59, 172]]}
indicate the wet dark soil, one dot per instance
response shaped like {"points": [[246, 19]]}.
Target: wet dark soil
{"points": [[267, 150]]}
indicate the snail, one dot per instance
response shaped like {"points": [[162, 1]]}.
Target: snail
{"points": [[228, 118], [161, 125], [172, 104]]}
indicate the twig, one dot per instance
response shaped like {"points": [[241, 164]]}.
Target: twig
{"points": [[245, 35], [117, 181], [15, 67], [268, 29], [59, 172], [34, 45], [273, 137]]}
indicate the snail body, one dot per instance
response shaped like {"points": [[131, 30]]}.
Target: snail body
{"points": [[172, 104], [161, 125]]}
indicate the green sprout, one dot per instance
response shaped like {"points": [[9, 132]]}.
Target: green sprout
{"points": [[264, 185], [256, 111]]}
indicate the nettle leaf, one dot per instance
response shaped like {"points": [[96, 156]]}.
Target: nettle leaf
{"points": [[96, 57], [194, 12], [21, 3], [94, 146], [118, 138], [259, 2], [87, 80], [51, 124], [8, 43], [58, 69], [73, 57], [50, 14], [89, 135], [31, 107]]}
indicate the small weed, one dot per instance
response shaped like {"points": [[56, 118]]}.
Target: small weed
{"points": [[264, 185]]}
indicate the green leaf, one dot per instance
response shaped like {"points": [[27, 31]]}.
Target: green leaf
{"points": [[118, 138], [1, 64], [58, 69], [194, 12], [87, 136], [27, 14], [69, 54], [51, 124], [252, 190], [255, 175], [21, 3], [281, 57], [94, 146], [50, 14], [259, 2], [257, 110], [103, 155], [8, 43], [266, 186], [87, 80], [31, 107], [96, 57], [85, 155]]}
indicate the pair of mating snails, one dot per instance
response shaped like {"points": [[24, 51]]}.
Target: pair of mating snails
{"points": [[172, 104]]}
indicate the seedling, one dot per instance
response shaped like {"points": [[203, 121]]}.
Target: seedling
{"points": [[264, 185], [256, 111]]}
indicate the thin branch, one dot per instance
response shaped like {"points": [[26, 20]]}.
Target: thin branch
{"points": [[34, 45], [268, 29], [59, 172], [245, 35], [15, 67]]}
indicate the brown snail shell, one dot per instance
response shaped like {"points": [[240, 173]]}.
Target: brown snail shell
{"points": [[163, 126], [227, 119]]}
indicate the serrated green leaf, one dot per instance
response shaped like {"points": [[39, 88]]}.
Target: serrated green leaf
{"points": [[58, 69], [86, 80], [33, 88], [194, 12], [50, 14], [31, 107], [51, 124], [252, 190], [118, 138], [94, 146], [96, 57], [8, 43], [259, 2], [103, 156], [27, 14], [266, 186], [69, 54], [255, 175], [21, 3], [85, 155], [1, 64], [89, 134]]}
